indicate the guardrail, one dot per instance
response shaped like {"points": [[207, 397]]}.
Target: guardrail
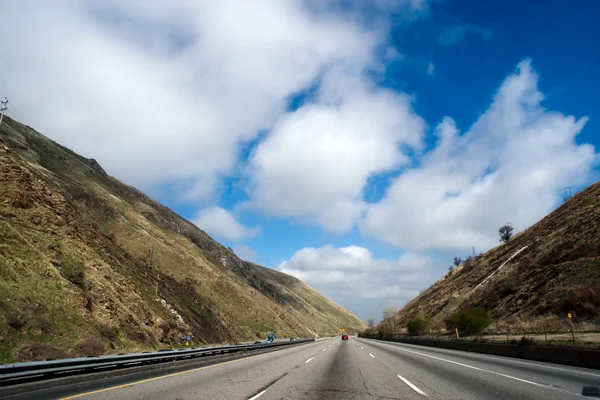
{"points": [[11, 374]]}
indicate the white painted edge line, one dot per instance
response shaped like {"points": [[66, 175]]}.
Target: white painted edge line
{"points": [[539, 364], [477, 368], [413, 387], [324, 349], [309, 360], [371, 355], [362, 348], [257, 396]]}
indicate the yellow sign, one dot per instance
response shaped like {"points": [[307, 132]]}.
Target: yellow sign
{"points": [[341, 329], [569, 315]]}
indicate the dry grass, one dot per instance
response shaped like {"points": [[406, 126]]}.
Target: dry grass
{"points": [[74, 264], [559, 272]]}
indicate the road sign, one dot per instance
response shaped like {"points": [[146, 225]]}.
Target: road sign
{"points": [[569, 315], [187, 338], [341, 329]]}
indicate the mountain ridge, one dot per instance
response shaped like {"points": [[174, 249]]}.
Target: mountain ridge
{"points": [[542, 273], [84, 251]]}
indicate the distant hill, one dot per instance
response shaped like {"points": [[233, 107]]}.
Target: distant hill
{"points": [[89, 265], [547, 271]]}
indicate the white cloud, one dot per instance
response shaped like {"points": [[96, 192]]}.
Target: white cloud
{"points": [[217, 221], [315, 162], [350, 275], [172, 87], [245, 253], [430, 68], [508, 166]]}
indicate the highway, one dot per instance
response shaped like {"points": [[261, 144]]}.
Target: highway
{"points": [[353, 369]]}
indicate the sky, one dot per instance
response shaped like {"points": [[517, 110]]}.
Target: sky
{"points": [[357, 145]]}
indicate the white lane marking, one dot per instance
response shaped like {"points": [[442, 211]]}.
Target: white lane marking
{"points": [[413, 387], [324, 349], [362, 348], [477, 368], [371, 355], [258, 395], [488, 357], [309, 360]]}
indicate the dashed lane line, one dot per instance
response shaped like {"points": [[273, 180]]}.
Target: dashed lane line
{"points": [[257, 396]]}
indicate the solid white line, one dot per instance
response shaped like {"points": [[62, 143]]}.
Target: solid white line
{"points": [[487, 357], [413, 387], [258, 395], [371, 355], [309, 360], [475, 368]]}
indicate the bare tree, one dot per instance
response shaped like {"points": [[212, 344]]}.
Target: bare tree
{"points": [[457, 261], [505, 232], [450, 269], [389, 312], [371, 323]]}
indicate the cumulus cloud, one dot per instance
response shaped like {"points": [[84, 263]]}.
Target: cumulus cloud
{"points": [[218, 222], [315, 162], [350, 275], [172, 87], [508, 166]]}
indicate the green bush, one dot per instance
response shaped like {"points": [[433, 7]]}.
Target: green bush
{"points": [[469, 321], [418, 326], [73, 271]]}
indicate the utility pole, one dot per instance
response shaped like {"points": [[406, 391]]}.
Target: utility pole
{"points": [[473, 251], [4, 108]]}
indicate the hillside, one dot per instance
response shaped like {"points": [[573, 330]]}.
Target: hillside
{"points": [[554, 270], [89, 265]]}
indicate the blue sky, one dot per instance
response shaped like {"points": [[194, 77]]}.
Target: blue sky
{"points": [[356, 145]]}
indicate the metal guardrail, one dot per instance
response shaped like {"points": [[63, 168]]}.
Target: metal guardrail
{"points": [[11, 374]]}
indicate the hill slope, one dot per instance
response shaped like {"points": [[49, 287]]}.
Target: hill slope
{"points": [[548, 270], [88, 263]]}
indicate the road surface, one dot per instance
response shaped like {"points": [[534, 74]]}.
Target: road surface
{"points": [[353, 369]]}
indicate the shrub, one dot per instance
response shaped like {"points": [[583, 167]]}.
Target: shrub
{"points": [[40, 352], [525, 341], [91, 347], [418, 326], [469, 320], [109, 332], [73, 271], [44, 325], [583, 301], [15, 322]]}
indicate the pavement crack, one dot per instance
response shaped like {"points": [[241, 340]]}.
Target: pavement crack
{"points": [[364, 382]]}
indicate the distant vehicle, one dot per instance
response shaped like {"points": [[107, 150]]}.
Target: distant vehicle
{"points": [[344, 337], [292, 339], [258, 341]]}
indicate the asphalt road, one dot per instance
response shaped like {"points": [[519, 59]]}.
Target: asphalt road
{"points": [[357, 369]]}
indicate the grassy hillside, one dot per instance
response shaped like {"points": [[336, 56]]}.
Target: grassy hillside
{"points": [[89, 265], [556, 271]]}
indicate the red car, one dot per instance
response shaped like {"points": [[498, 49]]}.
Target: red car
{"points": [[344, 337]]}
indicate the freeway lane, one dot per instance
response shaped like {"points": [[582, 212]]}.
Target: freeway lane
{"points": [[357, 369], [451, 374]]}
